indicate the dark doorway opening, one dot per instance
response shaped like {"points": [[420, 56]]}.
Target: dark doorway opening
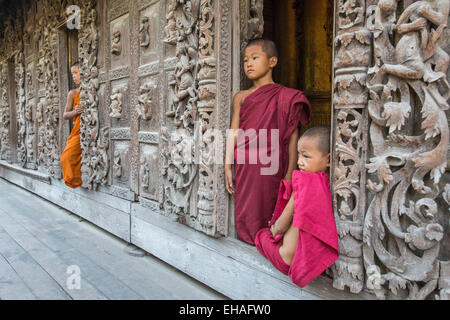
{"points": [[303, 32]]}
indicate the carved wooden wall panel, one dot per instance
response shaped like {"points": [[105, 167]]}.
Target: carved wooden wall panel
{"points": [[148, 103], [351, 61], [391, 146], [409, 133], [5, 147], [94, 136]]}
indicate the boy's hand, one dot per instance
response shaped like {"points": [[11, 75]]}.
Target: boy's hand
{"points": [[78, 109], [229, 180], [280, 226]]}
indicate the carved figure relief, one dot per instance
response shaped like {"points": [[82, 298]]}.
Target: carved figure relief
{"points": [[30, 137], [177, 148], [29, 79], [171, 98], [149, 185], [40, 72], [41, 133], [20, 107], [116, 103], [145, 99], [171, 25], [5, 147], [144, 173], [255, 21], [350, 13], [117, 166], [144, 32], [179, 170], [116, 46]]}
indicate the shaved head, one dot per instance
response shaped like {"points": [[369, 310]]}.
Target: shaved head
{"points": [[268, 47], [322, 133]]}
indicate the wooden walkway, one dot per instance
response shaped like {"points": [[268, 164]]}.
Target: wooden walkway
{"points": [[48, 253]]}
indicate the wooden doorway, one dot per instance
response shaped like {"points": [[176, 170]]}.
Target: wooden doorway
{"points": [[303, 32]]}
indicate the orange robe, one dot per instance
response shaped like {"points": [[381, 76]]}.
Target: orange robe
{"points": [[71, 156]]}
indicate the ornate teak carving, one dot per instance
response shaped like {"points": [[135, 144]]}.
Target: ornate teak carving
{"points": [[116, 102], [145, 100], [189, 151], [391, 242], [402, 230], [144, 32], [117, 166], [20, 107], [116, 47], [94, 140], [206, 106], [178, 168], [5, 147]]}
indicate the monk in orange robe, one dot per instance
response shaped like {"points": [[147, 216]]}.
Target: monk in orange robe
{"points": [[71, 156]]}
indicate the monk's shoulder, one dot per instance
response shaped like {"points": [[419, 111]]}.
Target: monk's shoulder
{"points": [[239, 97], [72, 93]]}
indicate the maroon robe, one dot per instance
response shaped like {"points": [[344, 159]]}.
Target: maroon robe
{"points": [[271, 106], [317, 245]]}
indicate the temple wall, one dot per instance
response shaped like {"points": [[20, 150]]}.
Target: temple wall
{"points": [[157, 81]]}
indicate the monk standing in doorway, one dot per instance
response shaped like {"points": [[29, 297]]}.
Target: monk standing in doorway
{"points": [[264, 125], [71, 156]]}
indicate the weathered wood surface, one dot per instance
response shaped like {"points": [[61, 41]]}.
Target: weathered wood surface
{"points": [[39, 240]]}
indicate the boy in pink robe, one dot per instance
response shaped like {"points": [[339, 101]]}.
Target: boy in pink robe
{"points": [[264, 130], [302, 240]]}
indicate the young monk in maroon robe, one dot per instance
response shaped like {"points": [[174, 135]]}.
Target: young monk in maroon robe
{"points": [[302, 240], [264, 130], [71, 156]]}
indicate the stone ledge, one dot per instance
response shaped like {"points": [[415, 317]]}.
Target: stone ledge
{"points": [[27, 172], [107, 212]]}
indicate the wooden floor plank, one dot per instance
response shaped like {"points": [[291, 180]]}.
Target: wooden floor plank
{"points": [[64, 236], [47, 259], [11, 285], [36, 278], [67, 239]]}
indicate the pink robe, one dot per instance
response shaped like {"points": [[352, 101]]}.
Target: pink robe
{"points": [[271, 106], [317, 247]]}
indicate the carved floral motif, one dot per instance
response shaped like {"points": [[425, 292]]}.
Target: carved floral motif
{"points": [[401, 227], [352, 58]]}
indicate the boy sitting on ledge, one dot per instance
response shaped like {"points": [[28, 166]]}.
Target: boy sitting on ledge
{"points": [[302, 240]]}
